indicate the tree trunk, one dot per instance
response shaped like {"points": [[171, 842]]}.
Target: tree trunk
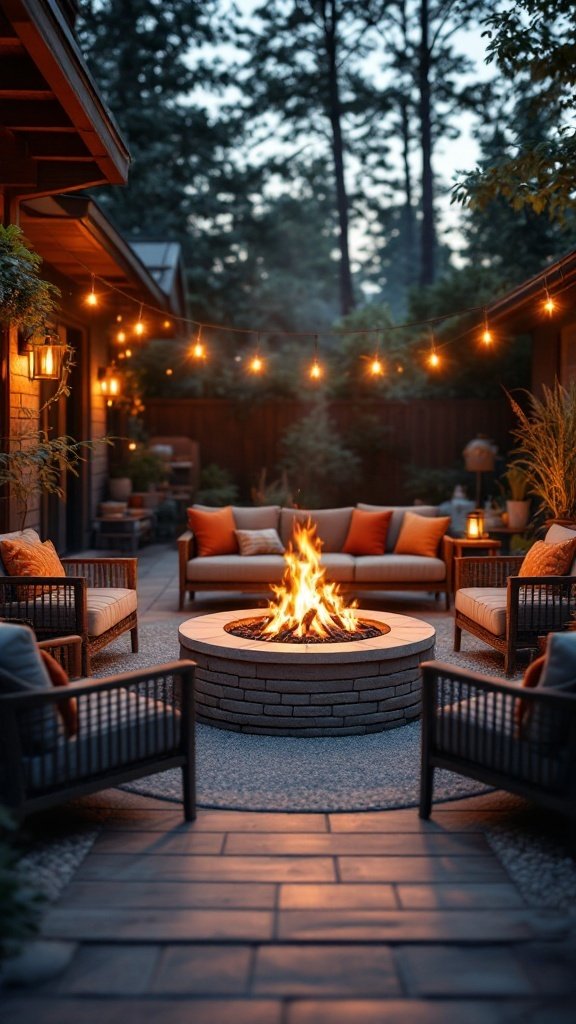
{"points": [[428, 235], [330, 17], [408, 224]]}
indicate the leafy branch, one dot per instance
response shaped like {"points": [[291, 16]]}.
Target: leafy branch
{"points": [[26, 301]]}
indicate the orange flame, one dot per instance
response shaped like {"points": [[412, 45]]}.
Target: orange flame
{"points": [[305, 601]]}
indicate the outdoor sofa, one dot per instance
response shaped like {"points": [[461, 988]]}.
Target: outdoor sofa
{"points": [[255, 572]]}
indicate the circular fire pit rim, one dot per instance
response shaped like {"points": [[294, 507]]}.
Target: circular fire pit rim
{"points": [[207, 634]]}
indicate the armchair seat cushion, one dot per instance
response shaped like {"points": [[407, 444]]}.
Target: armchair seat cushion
{"points": [[399, 569], [484, 731], [107, 606], [114, 729], [484, 605]]}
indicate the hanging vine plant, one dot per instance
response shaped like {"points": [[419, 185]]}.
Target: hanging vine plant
{"points": [[26, 301]]}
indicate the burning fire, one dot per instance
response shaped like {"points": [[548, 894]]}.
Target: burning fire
{"points": [[305, 603]]}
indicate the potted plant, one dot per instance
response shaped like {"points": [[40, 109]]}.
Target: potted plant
{"points": [[517, 504], [144, 469], [546, 449]]}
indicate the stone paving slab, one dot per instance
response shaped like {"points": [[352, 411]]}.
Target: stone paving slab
{"points": [[420, 869], [497, 895], [183, 841], [449, 971], [115, 971], [406, 1011], [186, 970], [29, 1010], [363, 844], [341, 896], [325, 970], [163, 818], [109, 867], [158, 925], [405, 926], [167, 895]]}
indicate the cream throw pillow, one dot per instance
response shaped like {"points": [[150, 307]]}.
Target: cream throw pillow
{"points": [[259, 542]]}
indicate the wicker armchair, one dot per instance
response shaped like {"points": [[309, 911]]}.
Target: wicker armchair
{"points": [[95, 600], [129, 726], [507, 611], [471, 725]]}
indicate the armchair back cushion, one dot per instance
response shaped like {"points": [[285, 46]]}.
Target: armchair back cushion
{"points": [[28, 535], [398, 513], [546, 559], [557, 533], [558, 673], [22, 670]]}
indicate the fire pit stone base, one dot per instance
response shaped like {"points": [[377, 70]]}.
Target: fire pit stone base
{"points": [[311, 690]]}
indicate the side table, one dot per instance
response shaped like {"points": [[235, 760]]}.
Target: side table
{"points": [[123, 530], [456, 547]]}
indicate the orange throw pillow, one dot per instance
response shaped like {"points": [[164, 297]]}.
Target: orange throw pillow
{"points": [[421, 535], [549, 559], [22, 558], [67, 709], [214, 531], [367, 533], [530, 681]]}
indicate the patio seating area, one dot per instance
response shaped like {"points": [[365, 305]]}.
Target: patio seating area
{"points": [[300, 918]]}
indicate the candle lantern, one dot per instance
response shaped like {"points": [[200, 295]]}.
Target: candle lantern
{"points": [[45, 359], [475, 524]]}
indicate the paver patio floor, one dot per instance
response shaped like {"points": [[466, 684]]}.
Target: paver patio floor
{"points": [[273, 918]]}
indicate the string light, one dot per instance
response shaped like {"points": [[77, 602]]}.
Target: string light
{"points": [[433, 357], [132, 446], [316, 371], [376, 366], [549, 303], [167, 325], [198, 348], [486, 337], [139, 325], [256, 364], [92, 298], [169, 371], [121, 337]]}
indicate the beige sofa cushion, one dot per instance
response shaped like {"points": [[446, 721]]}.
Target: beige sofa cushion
{"points": [[399, 569], [397, 517], [332, 524], [260, 569], [260, 517], [236, 569], [107, 606]]}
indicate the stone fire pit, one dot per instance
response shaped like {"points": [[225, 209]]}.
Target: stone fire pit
{"points": [[331, 689]]}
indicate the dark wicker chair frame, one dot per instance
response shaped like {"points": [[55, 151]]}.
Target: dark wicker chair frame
{"points": [[454, 739], [535, 605], [25, 790], [56, 605]]}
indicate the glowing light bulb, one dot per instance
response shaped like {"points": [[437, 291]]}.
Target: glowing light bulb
{"points": [[315, 370], [399, 368], [487, 336], [256, 364], [139, 328], [109, 403], [198, 350], [128, 353], [549, 304], [91, 299], [434, 360], [119, 318], [132, 446], [121, 337], [167, 324], [376, 367], [169, 372]]}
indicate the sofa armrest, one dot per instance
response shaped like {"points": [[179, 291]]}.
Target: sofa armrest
{"points": [[540, 604], [104, 572]]}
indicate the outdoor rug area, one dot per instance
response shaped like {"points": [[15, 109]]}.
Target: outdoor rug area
{"points": [[278, 773]]}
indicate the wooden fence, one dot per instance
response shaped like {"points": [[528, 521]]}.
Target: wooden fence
{"points": [[244, 438]]}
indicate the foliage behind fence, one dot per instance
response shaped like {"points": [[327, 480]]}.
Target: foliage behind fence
{"points": [[426, 433]]}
